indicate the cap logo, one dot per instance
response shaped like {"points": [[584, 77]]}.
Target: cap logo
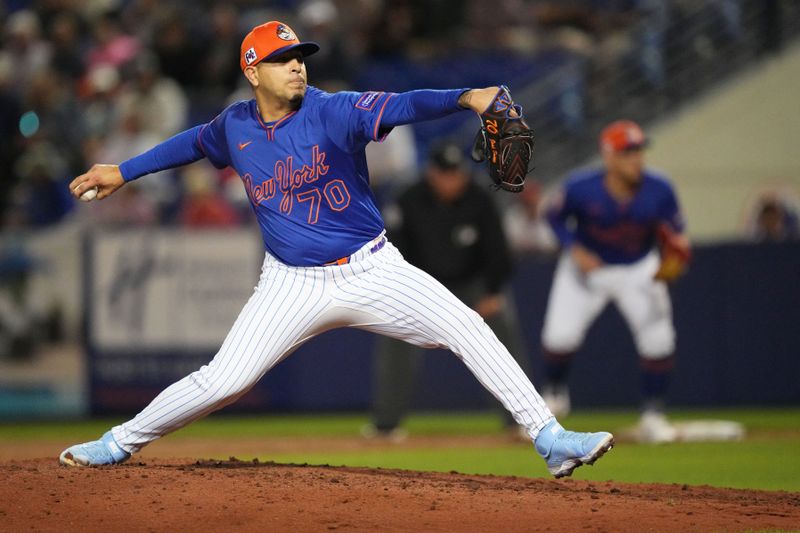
{"points": [[635, 135], [285, 33], [250, 56]]}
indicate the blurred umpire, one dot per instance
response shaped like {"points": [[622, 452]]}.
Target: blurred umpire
{"points": [[449, 227]]}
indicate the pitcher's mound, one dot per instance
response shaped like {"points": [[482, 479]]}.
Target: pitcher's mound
{"points": [[187, 495]]}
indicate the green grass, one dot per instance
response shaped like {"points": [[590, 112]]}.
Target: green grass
{"points": [[768, 458], [265, 426]]}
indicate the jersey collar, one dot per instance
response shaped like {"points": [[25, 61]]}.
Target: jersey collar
{"points": [[270, 127]]}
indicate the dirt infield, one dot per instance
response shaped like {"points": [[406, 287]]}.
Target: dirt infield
{"points": [[185, 495]]}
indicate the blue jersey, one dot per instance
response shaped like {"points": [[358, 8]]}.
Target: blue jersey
{"points": [[306, 173], [619, 233]]}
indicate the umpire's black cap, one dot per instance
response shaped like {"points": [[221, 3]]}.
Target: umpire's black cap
{"points": [[447, 156]]}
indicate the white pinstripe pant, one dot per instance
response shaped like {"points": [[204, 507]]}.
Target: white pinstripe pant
{"points": [[378, 292]]}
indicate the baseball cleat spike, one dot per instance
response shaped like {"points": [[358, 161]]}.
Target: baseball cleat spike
{"points": [[600, 453]]}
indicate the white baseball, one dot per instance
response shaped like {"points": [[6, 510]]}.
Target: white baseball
{"points": [[89, 195]]}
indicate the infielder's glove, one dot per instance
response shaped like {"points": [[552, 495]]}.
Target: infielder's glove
{"points": [[506, 141], [675, 255]]}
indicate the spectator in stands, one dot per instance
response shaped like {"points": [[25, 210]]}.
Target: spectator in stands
{"points": [[323, 25], [160, 103], [393, 31], [448, 226], [442, 21], [393, 164], [29, 53], [60, 119], [525, 224], [775, 221], [204, 206], [220, 71], [504, 24], [126, 140], [144, 17], [67, 55], [41, 196], [112, 46], [99, 107], [178, 54]]}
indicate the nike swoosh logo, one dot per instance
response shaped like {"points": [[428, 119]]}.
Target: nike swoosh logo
{"points": [[242, 146]]}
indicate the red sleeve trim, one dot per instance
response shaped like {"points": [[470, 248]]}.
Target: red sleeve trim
{"points": [[378, 120], [199, 140]]}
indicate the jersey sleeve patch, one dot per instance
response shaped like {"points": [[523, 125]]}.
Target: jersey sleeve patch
{"points": [[352, 119], [368, 100]]}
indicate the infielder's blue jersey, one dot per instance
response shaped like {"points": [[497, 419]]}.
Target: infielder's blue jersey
{"points": [[618, 233]]}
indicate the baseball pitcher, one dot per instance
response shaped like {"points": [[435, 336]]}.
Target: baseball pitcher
{"points": [[300, 154]]}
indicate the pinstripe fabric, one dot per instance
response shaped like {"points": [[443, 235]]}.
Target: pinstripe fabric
{"points": [[378, 292], [406, 303]]}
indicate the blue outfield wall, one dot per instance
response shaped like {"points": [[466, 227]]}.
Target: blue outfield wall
{"points": [[737, 314], [737, 317]]}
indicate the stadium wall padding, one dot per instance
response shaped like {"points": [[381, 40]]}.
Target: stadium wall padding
{"points": [[737, 316]]}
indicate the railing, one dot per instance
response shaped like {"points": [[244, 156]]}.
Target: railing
{"points": [[674, 52]]}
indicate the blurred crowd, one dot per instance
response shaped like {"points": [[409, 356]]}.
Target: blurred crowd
{"points": [[100, 81], [85, 82]]}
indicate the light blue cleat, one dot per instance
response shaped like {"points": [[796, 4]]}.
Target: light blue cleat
{"points": [[564, 451], [98, 452]]}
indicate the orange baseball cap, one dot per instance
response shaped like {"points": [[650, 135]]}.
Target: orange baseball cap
{"points": [[622, 135], [270, 39]]}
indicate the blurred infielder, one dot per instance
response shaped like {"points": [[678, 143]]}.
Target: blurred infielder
{"points": [[300, 153], [610, 222]]}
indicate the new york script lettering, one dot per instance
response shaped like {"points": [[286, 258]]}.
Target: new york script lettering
{"points": [[293, 185]]}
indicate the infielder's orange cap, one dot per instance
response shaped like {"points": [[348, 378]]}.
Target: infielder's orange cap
{"points": [[270, 39], [622, 135]]}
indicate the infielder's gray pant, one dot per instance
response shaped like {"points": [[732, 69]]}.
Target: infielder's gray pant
{"points": [[397, 363], [576, 299]]}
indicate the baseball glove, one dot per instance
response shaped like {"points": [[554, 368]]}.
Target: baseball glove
{"points": [[675, 254], [506, 141]]}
